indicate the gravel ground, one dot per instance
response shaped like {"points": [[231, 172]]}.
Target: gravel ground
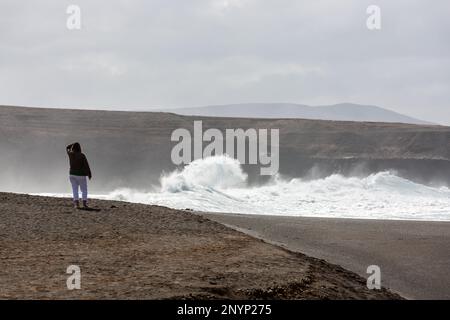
{"points": [[134, 251]]}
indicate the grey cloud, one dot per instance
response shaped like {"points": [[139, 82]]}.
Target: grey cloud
{"points": [[143, 54]]}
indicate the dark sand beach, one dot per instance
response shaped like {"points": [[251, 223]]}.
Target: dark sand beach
{"points": [[414, 256], [133, 251]]}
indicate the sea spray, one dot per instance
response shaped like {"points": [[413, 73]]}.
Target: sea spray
{"points": [[218, 184], [212, 172]]}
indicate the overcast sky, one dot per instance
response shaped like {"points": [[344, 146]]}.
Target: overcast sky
{"points": [[165, 53]]}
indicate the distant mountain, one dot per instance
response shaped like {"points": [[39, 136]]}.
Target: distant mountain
{"points": [[132, 149], [339, 112]]}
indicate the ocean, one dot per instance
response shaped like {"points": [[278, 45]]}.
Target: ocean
{"points": [[218, 184]]}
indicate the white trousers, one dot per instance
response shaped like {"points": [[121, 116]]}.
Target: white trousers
{"points": [[79, 182]]}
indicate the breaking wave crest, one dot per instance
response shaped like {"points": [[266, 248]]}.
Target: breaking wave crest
{"points": [[218, 184], [211, 173]]}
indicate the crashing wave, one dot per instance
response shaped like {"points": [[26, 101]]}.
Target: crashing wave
{"points": [[219, 184]]}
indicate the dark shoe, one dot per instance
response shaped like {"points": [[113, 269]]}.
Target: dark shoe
{"points": [[85, 205], [76, 204]]}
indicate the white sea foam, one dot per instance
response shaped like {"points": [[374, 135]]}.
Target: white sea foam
{"points": [[220, 172], [218, 184]]}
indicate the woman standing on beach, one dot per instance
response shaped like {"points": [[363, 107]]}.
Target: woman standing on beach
{"points": [[79, 170]]}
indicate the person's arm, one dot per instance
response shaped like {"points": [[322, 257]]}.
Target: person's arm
{"points": [[88, 169], [69, 148]]}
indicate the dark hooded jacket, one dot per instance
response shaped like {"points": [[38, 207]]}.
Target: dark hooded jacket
{"points": [[79, 165]]}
